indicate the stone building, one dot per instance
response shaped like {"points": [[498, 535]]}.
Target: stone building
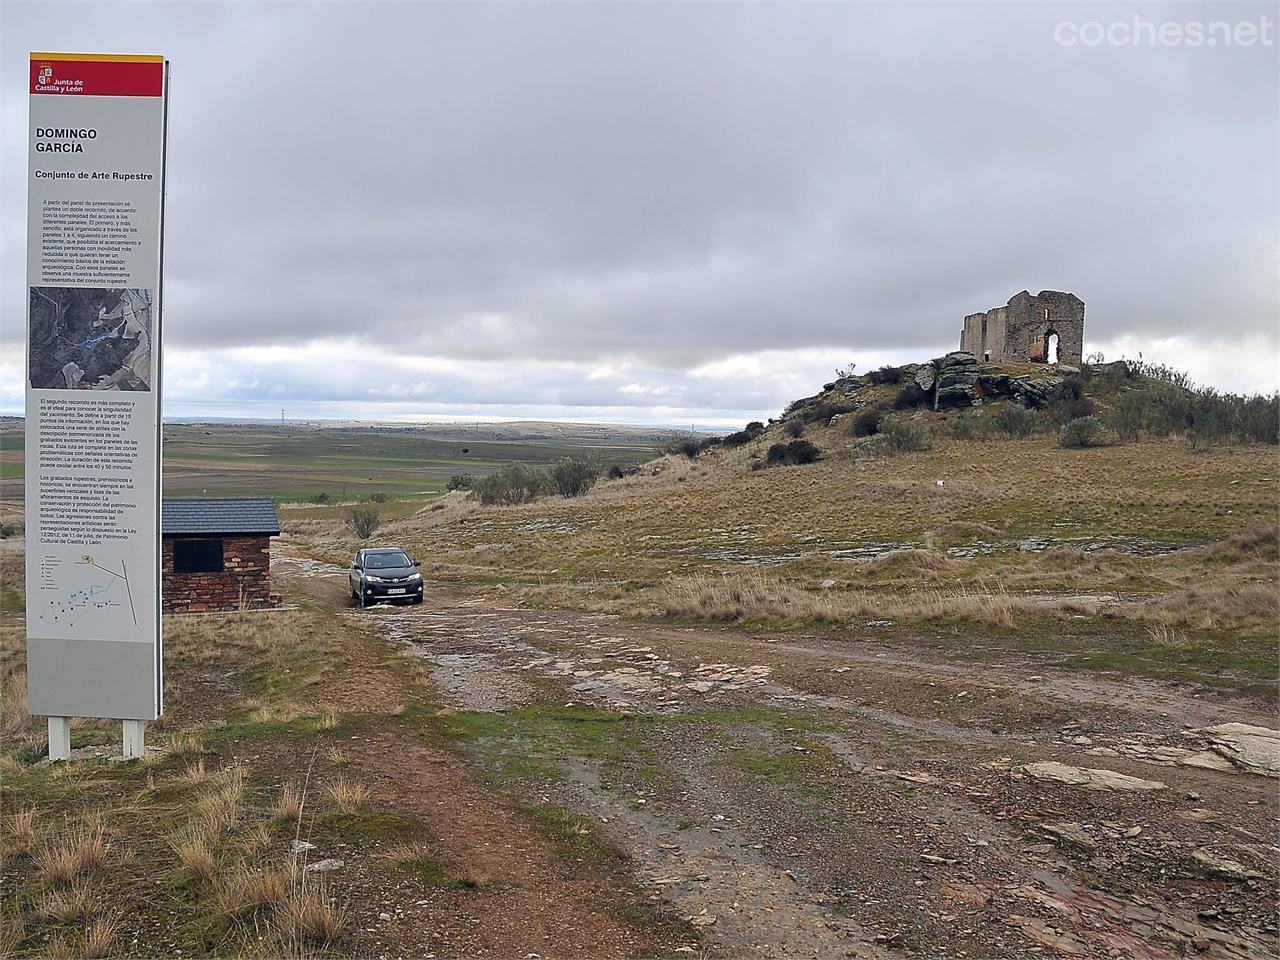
{"points": [[217, 554], [1045, 328]]}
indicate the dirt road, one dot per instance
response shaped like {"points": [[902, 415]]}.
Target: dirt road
{"points": [[835, 795]]}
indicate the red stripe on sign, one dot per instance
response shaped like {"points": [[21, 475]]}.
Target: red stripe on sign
{"points": [[96, 78]]}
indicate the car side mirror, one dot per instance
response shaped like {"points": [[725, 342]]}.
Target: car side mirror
{"points": [[355, 566], [417, 563]]}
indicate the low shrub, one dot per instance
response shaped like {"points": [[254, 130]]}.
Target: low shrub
{"points": [[867, 421], [378, 497], [461, 481], [321, 498], [885, 375], [823, 412], [744, 436], [794, 428], [512, 484], [574, 476], [964, 428], [792, 453], [912, 395], [1080, 407], [1014, 420], [686, 446], [1081, 432], [904, 436], [363, 521]]}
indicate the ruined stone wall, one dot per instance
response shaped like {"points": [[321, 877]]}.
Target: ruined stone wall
{"points": [[984, 334], [1020, 329], [1032, 319], [244, 582]]}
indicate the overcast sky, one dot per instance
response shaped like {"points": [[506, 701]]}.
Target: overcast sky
{"points": [[669, 213]]}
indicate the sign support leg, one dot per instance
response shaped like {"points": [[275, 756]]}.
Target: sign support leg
{"points": [[133, 745], [59, 738]]}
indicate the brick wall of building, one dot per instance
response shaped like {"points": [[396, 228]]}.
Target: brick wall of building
{"points": [[243, 583]]}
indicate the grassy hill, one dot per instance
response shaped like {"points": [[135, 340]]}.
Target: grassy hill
{"points": [[1155, 554]]}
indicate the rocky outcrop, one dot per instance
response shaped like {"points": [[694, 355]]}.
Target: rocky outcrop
{"points": [[1035, 393], [956, 380]]}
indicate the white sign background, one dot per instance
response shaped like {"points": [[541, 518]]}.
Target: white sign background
{"points": [[94, 255]]}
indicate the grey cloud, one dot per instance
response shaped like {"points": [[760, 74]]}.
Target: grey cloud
{"points": [[673, 184]]}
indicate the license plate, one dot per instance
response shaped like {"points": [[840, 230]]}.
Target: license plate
{"points": [[396, 590]]}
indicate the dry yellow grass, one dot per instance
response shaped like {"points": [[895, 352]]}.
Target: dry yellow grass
{"points": [[248, 889], [289, 806], [335, 755], [81, 851], [99, 939], [219, 809], [195, 851], [309, 918], [348, 795], [77, 902]]}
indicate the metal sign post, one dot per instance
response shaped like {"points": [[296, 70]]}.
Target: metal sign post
{"points": [[95, 218]]}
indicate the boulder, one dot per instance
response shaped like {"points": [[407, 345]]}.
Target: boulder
{"points": [[1035, 393], [926, 376], [1094, 779], [957, 380], [1252, 748], [993, 385]]}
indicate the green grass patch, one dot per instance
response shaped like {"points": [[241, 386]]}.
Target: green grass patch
{"points": [[576, 836]]}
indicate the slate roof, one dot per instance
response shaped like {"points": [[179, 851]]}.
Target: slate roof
{"points": [[248, 515]]}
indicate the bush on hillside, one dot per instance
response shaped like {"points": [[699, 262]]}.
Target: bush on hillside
{"points": [[792, 453], [362, 521], [1015, 421], [1161, 373], [904, 436], [574, 476], [964, 428], [744, 436], [867, 422], [1082, 432], [378, 497], [885, 375], [794, 428], [912, 395], [686, 446], [1128, 415], [1203, 415], [1080, 407], [513, 483], [461, 481], [823, 412]]}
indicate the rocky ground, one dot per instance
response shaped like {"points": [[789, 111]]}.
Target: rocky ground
{"points": [[835, 794]]}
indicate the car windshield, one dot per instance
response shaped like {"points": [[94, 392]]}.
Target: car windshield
{"points": [[389, 558]]}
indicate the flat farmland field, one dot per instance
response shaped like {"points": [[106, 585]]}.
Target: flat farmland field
{"points": [[299, 464]]}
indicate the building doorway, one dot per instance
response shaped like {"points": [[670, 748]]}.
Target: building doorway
{"points": [[1051, 347]]}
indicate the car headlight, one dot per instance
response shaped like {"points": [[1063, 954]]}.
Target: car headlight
{"points": [[415, 576], [372, 579]]}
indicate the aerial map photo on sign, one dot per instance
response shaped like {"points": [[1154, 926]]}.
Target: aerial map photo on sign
{"points": [[612, 481]]}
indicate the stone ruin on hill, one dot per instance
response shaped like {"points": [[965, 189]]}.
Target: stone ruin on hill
{"points": [[1046, 328]]}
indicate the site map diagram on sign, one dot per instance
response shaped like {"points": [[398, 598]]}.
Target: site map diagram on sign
{"points": [[84, 591]]}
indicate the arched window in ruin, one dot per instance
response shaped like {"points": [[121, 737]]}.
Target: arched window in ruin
{"points": [[1051, 347]]}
